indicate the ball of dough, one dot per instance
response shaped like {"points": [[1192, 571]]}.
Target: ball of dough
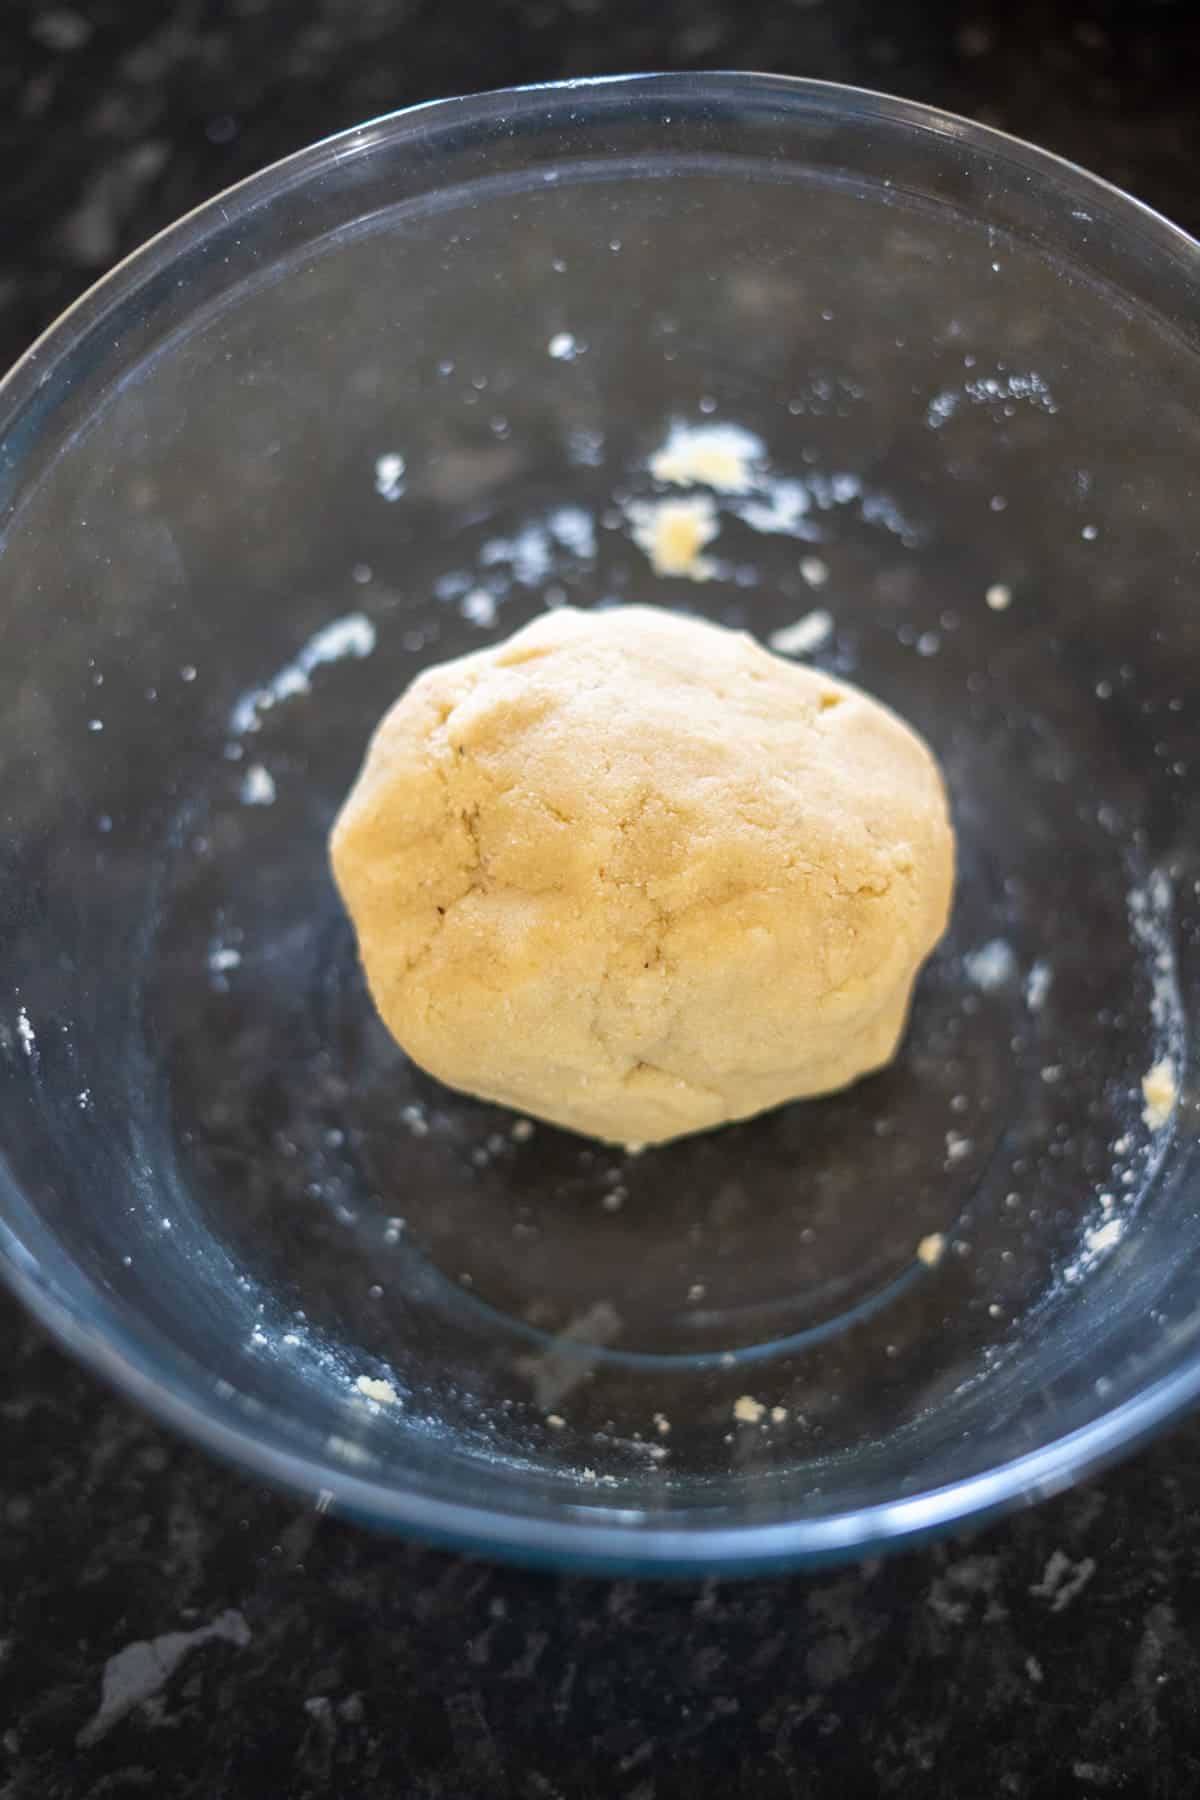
{"points": [[631, 873]]}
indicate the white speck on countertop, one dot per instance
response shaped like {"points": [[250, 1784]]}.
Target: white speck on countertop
{"points": [[142, 1669], [1063, 1579]]}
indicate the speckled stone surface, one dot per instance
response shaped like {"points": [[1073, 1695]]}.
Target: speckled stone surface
{"points": [[167, 1628]]}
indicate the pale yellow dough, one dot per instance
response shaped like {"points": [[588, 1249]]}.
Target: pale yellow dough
{"points": [[633, 874]]}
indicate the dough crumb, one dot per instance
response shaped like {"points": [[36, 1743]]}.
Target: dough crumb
{"points": [[778, 1415], [999, 596], [814, 570], [1160, 1090], [522, 1131], [555, 1421], [808, 633], [747, 1410], [662, 1424], [722, 457], [382, 1392], [674, 532], [932, 1248]]}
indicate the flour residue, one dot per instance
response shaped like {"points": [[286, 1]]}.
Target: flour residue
{"points": [[1037, 986], [258, 786], [1002, 391], [991, 967], [804, 636], [478, 607], [556, 1371], [1156, 1093], [389, 475], [530, 554], [354, 635], [1150, 907], [781, 509], [575, 529]]}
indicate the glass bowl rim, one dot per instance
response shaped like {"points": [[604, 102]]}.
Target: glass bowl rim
{"points": [[81, 1321]]}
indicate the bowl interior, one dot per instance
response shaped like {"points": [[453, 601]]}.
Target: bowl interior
{"points": [[398, 399]]}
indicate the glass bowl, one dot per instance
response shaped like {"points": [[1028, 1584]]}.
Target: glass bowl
{"points": [[387, 401]]}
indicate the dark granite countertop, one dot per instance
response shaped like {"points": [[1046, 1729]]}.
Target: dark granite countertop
{"points": [[166, 1627]]}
